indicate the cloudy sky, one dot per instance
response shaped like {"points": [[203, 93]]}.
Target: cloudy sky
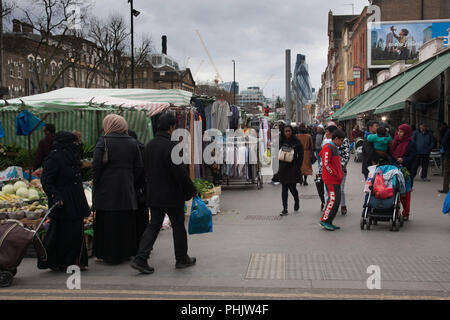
{"points": [[255, 33]]}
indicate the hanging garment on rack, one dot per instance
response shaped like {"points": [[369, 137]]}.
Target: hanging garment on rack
{"points": [[198, 142], [221, 111], [208, 117], [234, 118]]}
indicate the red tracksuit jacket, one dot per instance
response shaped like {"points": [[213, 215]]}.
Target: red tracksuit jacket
{"points": [[332, 172]]}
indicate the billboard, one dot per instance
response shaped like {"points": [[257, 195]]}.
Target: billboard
{"points": [[388, 42]]}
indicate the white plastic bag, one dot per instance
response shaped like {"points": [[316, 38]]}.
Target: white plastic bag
{"points": [[368, 182]]}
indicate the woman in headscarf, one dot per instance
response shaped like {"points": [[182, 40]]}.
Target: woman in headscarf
{"points": [[290, 168], [307, 142], [404, 151], [62, 182], [117, 168]]}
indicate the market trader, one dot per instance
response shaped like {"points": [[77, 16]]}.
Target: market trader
{"points": [[168, 187], [45, 145]]}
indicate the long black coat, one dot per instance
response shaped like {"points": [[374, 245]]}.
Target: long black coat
{"points": [[115, 182], [168, 185], [291, 172], [61, 180]]}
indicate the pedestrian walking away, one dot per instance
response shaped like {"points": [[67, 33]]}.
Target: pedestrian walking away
{"points": [[61, 179], [308, 149], [404, 151], [117, 168], [425, 142], [168, 187], [290, 172], [332, 175], [318, 141]]}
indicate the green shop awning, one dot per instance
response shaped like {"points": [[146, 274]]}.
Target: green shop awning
{"points": [[428, 72], [350, 106]]}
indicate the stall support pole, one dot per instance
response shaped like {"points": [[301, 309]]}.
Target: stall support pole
{"points": [[191, 131], [288, 87]]}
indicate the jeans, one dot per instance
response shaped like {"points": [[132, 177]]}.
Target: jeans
{"points": [[176, 216], [422, 160], [284, 194], [446, 173]]}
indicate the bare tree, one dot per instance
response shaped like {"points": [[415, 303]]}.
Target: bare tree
{"points": [[112, 39], [53, 21]]}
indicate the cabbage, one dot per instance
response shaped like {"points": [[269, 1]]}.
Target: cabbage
{"points": [[18, 185], [8, 189], [33, 194], [22, 192]]}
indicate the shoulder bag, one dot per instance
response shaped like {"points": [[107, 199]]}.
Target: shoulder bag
{"points": [[286, 154]]}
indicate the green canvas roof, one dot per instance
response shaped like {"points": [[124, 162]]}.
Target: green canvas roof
{"points": [[392, 94]]}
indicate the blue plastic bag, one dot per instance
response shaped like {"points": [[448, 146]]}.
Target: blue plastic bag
{"points": [[26, 122], [446, 208], [2, 132], [200, 220]]}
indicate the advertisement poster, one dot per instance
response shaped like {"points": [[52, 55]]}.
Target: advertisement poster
{"points": [[389, 42]]}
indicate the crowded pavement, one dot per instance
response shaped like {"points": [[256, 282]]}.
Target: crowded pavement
{"points": [[300, 260]]}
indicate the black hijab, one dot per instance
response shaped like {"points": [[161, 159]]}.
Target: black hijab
{"points": [[65, 143]]}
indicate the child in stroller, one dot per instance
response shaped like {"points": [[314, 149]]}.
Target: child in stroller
{"points": [[384, 205]]}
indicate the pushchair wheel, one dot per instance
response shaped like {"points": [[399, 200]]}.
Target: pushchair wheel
{"points": [[6, 279], [369, 223], [391, 224], [362, 223], [401, 221]]}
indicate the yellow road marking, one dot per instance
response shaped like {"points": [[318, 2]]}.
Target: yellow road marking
{"points": [[273, 295]]}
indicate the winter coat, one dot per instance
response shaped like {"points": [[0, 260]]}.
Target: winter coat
{"points": [[409, 156], [44, 148], [445, 142], [424, 141], [61, 181], [332, 172], [307, 144], [368, 154], [291, 172], [168, 184], [115, 182]]}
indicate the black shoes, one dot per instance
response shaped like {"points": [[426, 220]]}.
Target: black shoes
{"points": [[185, 263], [284, 212], [344, 210], [142, 266], [442, 191], [297, 206]]}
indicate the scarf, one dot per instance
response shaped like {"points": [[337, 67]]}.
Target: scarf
{"points": [[114, 123], [400, 145]]}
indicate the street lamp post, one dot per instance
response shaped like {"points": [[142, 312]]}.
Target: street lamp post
{"points": [[234, 82], [133, 13]]}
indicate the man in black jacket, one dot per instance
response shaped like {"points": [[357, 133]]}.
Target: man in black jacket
{"points": [[368, 150], [168, 187], [445, 142]]}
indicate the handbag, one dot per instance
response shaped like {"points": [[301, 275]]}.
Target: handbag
{"points": [[105, 158], [200, 220], [286, 154]]}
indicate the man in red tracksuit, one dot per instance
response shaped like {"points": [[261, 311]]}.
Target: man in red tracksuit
{"points": [[332, 175]]}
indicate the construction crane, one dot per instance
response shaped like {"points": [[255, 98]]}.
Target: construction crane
{"points": [[218, 77], [198, 68], [267, 82]]}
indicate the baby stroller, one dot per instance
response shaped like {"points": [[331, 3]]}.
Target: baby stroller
{"points": [[14, 242], [358, 149], [384, 209]]}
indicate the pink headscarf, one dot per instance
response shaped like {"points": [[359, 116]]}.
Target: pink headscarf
{"points": [[400, 145], [114, 123]]}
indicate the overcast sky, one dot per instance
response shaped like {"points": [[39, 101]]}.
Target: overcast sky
{"points": [[255, 33]]}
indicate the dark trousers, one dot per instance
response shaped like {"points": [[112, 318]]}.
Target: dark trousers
{"points": [[284, 194], [334, 200], [422, 160], [446, 174], [176, 216]]}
